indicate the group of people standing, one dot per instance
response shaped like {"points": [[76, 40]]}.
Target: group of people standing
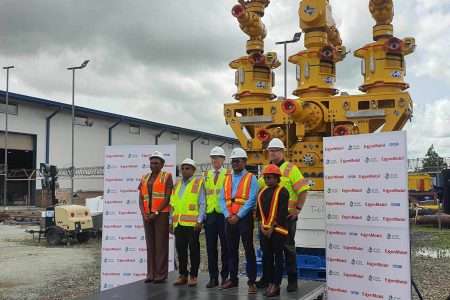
{"points": [[224, 203]]}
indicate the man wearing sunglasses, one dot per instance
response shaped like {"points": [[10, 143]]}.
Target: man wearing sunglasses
{"points": [[188, 210], [237, 200], [297, 186]]}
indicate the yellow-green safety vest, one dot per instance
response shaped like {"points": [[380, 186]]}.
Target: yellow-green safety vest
{"points": [[293, 180], [185, 210], [213, 190]]}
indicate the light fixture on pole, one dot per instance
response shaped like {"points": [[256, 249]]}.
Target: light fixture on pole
{"points": [[84, 64], [6, 136], [295, 39]]}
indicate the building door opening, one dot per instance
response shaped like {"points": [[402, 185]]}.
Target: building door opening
{"points": [[21, 157]]}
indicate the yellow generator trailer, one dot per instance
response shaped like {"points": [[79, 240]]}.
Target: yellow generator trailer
{"points": [[63, 221]]}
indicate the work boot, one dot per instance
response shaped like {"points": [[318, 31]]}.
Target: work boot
{"points": [[228, 285], [292, 283], [192, 281], [181, 280], [274, 291]]}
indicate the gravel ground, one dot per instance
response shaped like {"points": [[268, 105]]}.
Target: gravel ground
{"points": [[36, 271]]}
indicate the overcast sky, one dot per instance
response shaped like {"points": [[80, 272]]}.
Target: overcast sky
{"points": [[167, 61]]}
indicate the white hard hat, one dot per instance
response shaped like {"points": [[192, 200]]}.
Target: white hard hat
{"points": [[217, 151], [157, 154], [276, 143], [238, 153], [188, 161]]}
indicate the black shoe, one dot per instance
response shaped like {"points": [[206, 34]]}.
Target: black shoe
{"points": [[212, 283], [292, 284], [260, 284], [159, 281], [148, 280]]}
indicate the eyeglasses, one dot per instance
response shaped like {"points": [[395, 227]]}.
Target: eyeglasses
{"points": [[236, 161], [275, 150]]}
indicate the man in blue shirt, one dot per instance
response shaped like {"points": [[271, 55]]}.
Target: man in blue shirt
{"points": [[237, 200]]}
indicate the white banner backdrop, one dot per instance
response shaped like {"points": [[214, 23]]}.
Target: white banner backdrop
{"points": [[367, 222], [124, 252]]}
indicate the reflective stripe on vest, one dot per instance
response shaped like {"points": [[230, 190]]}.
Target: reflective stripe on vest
{"points": [[242, 193], [213, 190], [266, 222], [185, 210], [286, 169], [158, 192]]}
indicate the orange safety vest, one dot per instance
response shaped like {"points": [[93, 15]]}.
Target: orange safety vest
{"points": [[266, 222], [242, 193], [158, 192]]}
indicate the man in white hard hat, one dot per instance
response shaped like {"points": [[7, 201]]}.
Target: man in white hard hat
{"points": [[215, 221], [155, 190], [188, 210], [297, 186], [237, 200]]}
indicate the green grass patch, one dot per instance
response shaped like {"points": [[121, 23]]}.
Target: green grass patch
{"points": [[427, 236]]}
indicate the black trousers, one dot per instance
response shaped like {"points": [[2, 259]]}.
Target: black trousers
{"points": [[290, 255], [273, 260], [186, 237], [214, 230], [242, 230]]}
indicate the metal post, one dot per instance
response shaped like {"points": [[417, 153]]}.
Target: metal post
{"points": [[84, 64], [6, 137], [285, 71], [73, 136]]}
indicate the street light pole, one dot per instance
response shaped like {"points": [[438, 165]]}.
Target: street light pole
{"points": [[6, 136], [295, 39], [84, 64]]}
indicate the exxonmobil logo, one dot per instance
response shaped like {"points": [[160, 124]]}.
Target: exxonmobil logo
{"points": [[139, 274], [353, 248], [114, 179], [336, 260], [334, 177], [337, 290], [346, 191], [351, 217], [395, 252], [129, 191], [113, 201], [377, 264], [354, 275], [394, 219], [392, 158], [371, 235], [112, 249], [371, 295], [335, 148], [388, 191], [369, 176], [127, 213], [349, 160], [336, 233], [395, 281], [115, 156], [110, 274], [127, 238], [114, 226], [130, 166], [126, 260], [335, 203], [376, 204], [371, 146]]}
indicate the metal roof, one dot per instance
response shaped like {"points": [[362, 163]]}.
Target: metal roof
{"points": [[63, 106]]}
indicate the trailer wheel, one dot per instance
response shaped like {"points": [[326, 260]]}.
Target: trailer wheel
{"points": [[83, 237], [53, 237]]}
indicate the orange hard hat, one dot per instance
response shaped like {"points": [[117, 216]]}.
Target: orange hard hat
{"points": [[272, 169]]}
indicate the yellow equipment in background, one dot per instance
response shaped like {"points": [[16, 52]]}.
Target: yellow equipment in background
{"points": [[318, 112], [62, 221]]}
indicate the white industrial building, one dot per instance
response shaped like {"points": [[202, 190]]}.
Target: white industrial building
{"points": [[40, 130]]}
